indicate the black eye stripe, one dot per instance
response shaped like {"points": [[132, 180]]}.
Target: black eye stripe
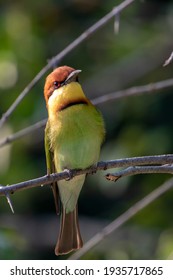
{"points": [[60, 84]]}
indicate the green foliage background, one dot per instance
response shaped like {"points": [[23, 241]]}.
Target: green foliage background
{"points": [[31, 33]]}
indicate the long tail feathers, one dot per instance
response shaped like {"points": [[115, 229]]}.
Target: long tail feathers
{"points": [[69, 237]]}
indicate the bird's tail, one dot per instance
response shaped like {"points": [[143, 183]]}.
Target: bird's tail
{"points": [[69, 238]]}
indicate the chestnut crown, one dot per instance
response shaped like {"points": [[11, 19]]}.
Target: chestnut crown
{"points": [[58, 78]]}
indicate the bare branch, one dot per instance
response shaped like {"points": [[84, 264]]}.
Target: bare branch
{"points": [[102, 165], [30, 129], [134, 91], [122, 219], [62, 54], [134, 170]]}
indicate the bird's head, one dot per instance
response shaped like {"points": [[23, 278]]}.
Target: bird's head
{"points": [[60, 77]]}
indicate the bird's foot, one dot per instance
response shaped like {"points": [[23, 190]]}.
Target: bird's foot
{"points": [[93, 169], [70, 174]]}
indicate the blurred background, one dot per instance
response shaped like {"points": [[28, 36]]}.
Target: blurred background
{"points": [[31, 33]]}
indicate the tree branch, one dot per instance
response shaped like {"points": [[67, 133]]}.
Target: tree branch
{"points": [[102, 165], [122, 219], [133, 91], [62, 54], [23, 132], [135, 170]]}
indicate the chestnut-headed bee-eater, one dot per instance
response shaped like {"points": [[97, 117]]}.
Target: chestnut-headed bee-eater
{"points": [[73, 137]]}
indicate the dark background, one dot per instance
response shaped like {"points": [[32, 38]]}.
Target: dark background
{"points": [[31, 32]]}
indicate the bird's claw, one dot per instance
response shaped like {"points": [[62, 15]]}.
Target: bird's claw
{"points": [[70, 174], [93, 169]]}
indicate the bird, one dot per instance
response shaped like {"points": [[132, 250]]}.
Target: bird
{"points": [[74, 133]]}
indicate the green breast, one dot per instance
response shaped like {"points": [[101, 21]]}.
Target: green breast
{"points": [[80, 135]]}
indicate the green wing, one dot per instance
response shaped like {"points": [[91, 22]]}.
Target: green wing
{"points": [[51, 167]]}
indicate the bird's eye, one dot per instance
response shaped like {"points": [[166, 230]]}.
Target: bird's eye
{"points": [[57, 84]]}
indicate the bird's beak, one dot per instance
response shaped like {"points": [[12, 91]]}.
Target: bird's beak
{"points": [[72, 77]]}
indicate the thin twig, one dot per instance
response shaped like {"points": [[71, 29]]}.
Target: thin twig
{"points": [[102, 165], [117, 24], [134, 91], [169, 60], [23, 132], [62, 54], [9, 202], [135, 170], [122, 219]]}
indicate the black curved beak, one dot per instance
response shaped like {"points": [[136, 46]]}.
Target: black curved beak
{"points": [[72, 77]]}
